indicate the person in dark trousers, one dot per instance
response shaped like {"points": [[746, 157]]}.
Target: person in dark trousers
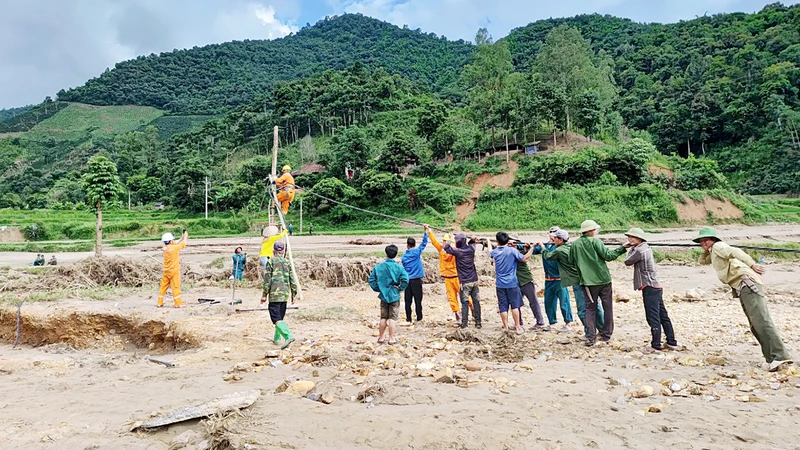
{"points": [[590, 256], [310, 229], [641, 258], [509, 297], [412, 262], [528, 288], [464, 252], [291, 229]]}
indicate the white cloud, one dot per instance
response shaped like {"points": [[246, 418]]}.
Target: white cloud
{"points": [[251, 21]]}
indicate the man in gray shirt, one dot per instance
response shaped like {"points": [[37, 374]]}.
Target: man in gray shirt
{"points": [[641, 258]]}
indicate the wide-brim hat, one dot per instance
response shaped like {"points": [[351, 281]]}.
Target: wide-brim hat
{"points": [[637, 233], [707, 233], [589, 225]]}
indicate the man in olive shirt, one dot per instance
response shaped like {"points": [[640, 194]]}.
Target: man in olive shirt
{"points": [[739, 271], [528, 287], [571, 277], [590, 256]]}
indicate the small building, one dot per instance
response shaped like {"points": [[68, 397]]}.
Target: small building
{"points": [[531, 148]]}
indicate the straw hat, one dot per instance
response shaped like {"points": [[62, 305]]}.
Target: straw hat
{"points": [[637, 233], [589, 225]]}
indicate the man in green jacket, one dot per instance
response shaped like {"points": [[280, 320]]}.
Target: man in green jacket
{"points": [[279, 288], [739, 271], [571, 277], [590, 256], [388, 279]]}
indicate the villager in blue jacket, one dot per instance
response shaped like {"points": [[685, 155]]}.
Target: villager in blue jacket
{"points": [[412, 262]]}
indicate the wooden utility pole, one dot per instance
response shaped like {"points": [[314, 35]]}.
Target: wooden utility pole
{"points": [[206, 196], [280, 212]]}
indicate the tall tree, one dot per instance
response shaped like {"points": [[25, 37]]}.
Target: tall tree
{"points": [[102, 185], [486, 79], [566, 59]]}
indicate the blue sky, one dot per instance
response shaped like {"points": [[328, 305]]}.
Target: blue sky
{"points": [[47, 45]]}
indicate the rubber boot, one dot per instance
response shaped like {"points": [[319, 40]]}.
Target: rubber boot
{"points": [[277, 338], [286, 334]]}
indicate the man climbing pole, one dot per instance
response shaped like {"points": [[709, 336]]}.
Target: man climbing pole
{"points": [[285, 186], [172, 268]]}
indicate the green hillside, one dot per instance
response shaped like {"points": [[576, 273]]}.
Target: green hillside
{"points": [[215, 78], [409, 115], [76, 121]]}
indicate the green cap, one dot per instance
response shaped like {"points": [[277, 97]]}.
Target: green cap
{"points": [[707, 232], [637, 233]]}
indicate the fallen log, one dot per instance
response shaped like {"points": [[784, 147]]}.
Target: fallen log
{"points": [[221, 405]]}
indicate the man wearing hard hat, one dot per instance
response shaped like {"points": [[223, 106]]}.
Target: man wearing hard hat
{"points": [[271, 236], [172, 268], [285, 185]]}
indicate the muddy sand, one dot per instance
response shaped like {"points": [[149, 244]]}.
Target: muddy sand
{"points": [[80, 377]]}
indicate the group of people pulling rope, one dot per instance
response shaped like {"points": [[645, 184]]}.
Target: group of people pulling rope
{"points": [[580, 265]]}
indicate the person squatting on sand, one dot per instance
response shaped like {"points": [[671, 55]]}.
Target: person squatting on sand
{"points": [[171, 278], [739, 271], [279, 288], [388, 279]]}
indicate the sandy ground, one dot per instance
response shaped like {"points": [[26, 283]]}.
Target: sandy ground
{"points": [[542, 390], [200, 249]]}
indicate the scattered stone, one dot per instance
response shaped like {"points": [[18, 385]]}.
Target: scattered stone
{"points": [[301, 387], [614, 408], [689, 361], [182, 440], [473, 366], [231, 377], [242, 367], [694, 295], [444, 376], [657, 408], [644, 392], [272, 354], [326, 398], [746, 388], [315, 373], [622, 298], [716, 360], [224, 350]]}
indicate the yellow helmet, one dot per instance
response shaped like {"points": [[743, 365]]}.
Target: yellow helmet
{"points": [[286, 167]]}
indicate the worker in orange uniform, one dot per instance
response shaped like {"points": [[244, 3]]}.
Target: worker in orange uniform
{"points": [[447, 269], [285, 185], [172, 268]]}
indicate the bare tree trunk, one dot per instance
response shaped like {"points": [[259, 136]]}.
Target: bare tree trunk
{"points": [[507, 156], [555, 142], [98, 231], [688, 147]]}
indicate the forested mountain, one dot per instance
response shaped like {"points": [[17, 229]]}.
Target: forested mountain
{"points": [[216, 78], [10, 113], [369, 99]]}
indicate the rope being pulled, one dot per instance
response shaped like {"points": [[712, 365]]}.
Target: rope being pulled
{"points": [[387, 216], [746, 247]]}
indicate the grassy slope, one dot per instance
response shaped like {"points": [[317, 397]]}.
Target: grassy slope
{"points": [[76, 120]]}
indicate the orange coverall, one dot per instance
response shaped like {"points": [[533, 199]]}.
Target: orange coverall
{"points": [[285, 185], [172, 273], [447, 269]]}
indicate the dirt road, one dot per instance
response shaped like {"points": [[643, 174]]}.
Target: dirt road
{"points": [[201, 249], [81, 378]]}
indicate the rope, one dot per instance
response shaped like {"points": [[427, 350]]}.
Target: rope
{"points": [[747, 247], [387, 216]]}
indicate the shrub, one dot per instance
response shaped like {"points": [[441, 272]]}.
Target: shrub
{"points": [[698, 173]]}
